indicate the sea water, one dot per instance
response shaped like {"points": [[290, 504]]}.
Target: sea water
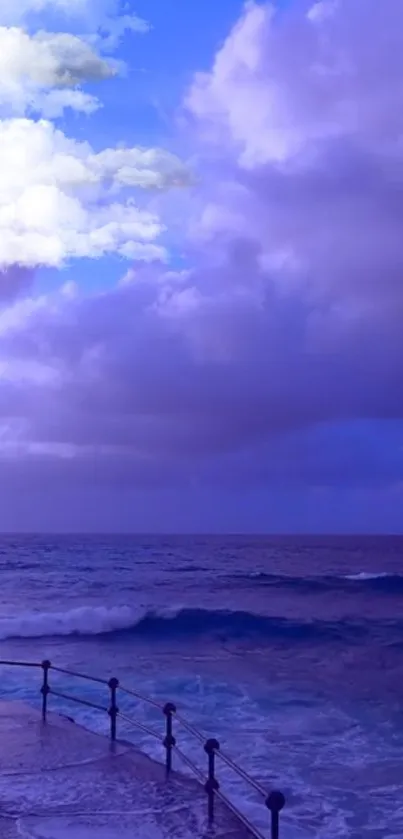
{"points": [[288, 650]]}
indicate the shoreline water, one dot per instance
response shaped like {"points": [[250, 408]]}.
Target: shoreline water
{"points": [[298, 647]]}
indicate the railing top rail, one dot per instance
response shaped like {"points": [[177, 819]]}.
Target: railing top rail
{"points": [[142, 697], [142, 727], [14, 663], [79, 675], [77, 699], [242, 773], [251, 827], [191, 728]]}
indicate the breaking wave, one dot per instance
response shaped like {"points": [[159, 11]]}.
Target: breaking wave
{"points": [[366, 576], [364, 580], [182, 623], [85, 620]]}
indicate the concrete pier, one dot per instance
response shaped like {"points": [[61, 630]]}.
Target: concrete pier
{"points": [[60, 781]]}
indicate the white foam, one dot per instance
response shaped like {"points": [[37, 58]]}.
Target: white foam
{"points": [[84, 620], [367, 575]]}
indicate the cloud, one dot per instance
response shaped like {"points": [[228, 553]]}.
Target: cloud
{"points": [[112, 29], [12, 10], [283, 335], [61, 200], [304, 78], [302, 111], [15, 10], [106, 383], [42, 72], [108, 16], [58, 198]]}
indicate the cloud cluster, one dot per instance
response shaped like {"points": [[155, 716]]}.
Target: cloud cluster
{"points": [[58, 198], [42, 72], [289, 314], [319, 74]]}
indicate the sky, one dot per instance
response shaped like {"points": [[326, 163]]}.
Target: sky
{"points": [[201, 266]]}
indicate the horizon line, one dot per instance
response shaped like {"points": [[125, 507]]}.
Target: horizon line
{"points": [[203, 534]]}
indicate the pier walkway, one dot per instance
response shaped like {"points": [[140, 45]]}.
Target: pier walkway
{"points": [[58, 780]]}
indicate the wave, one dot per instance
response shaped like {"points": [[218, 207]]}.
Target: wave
{"points": [[365, 576], [193, 569], [366, 580], [85, 620], [181, 623]]}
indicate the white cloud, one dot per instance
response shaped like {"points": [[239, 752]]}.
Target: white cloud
{"points": [[42, 72], [108, 15], [13, 11], [60, 200], [113, 29], [52, 104]]}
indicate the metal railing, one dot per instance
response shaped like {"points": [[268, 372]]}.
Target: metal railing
{"points": [[274, 800]]}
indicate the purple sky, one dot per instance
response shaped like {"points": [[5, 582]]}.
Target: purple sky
{"points": [[205, 334]]}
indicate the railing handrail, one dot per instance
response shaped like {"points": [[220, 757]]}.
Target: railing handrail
{"points": [[86, 676], [141, 696], [15, 663], [274, 801]]}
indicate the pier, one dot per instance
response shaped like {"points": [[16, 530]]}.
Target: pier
{"points": [[59, 780]]}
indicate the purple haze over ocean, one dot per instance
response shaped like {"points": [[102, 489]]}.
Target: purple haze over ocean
{"points": [[290, 650]]}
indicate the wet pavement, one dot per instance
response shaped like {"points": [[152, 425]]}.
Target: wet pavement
{"points": [[61, 781]]}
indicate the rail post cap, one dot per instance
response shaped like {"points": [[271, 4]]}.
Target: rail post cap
{"points": [[46, 664], [113, 683], [169, 708], [211, 746], [275, 801]]}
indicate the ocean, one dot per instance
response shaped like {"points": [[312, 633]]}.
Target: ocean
{"points": [[289, 650]]}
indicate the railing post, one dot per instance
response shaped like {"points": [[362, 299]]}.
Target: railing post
{"points": [[45, 689], [275, 803], [113, 708], [169, 741], [211, 786]]}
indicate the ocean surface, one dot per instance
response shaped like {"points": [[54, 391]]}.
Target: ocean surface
{"points": [[288, 650]]}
